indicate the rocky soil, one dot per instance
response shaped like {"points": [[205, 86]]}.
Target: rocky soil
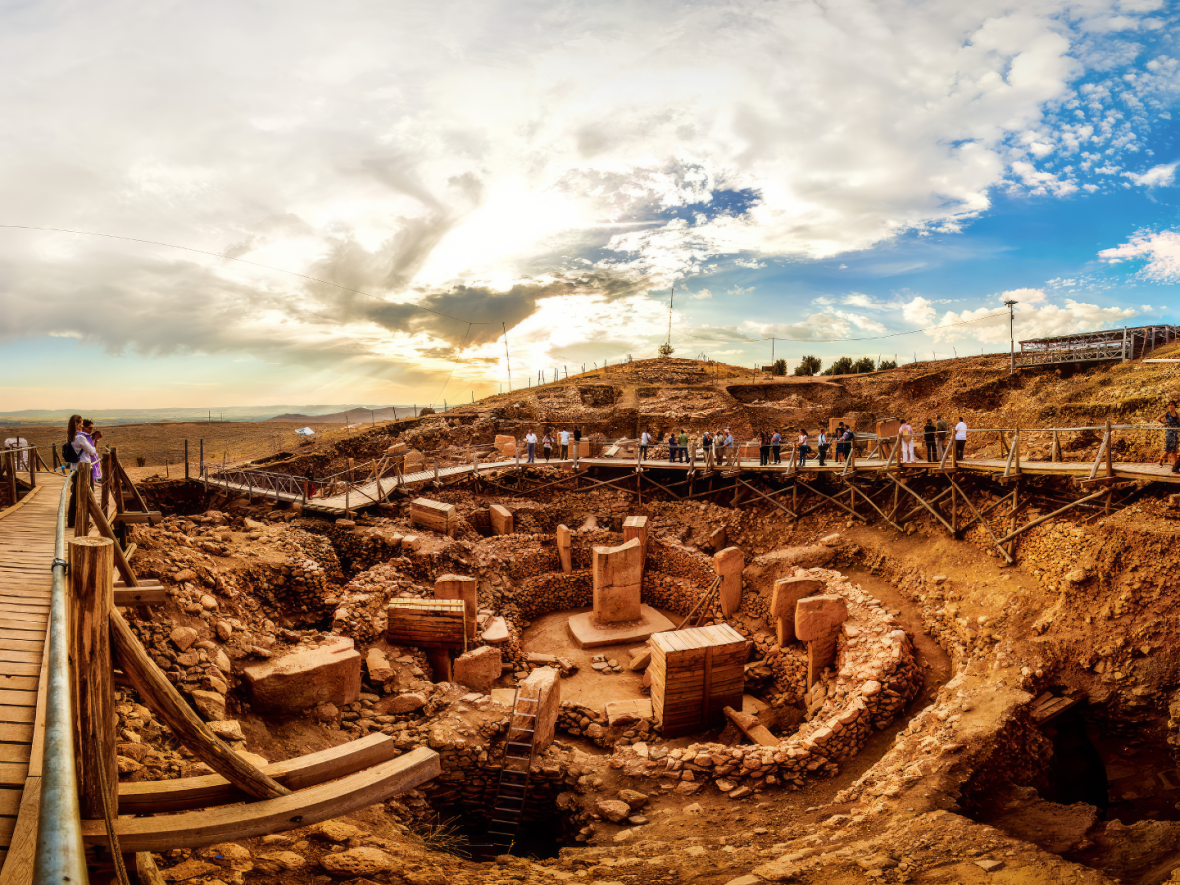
{"points": [[920, 756]]}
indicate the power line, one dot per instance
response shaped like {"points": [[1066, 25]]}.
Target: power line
{"points": [[866, 338]]}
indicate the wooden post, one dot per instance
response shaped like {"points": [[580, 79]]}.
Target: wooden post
{"points": [[91, 597], [161, 696], [81, 501], [1003, 444], [107, 479], [56, 459], [10, 468], [186, 475], [104, 530], [1055, 454], [201, 466], [31, 454], [1109, 450], [1016, 450]]}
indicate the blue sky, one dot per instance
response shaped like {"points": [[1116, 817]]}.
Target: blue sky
{"points": [[401, 183]]}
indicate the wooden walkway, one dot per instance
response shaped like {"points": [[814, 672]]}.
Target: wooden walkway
{"points": [[26, 556]]}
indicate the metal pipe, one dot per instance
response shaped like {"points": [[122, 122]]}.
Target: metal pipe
{"points": [[60, 855]]}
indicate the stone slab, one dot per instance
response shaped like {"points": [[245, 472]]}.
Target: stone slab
{"points": [[496, 632], [819, 616], [783, 601], [728, 563], [544, 686], [618, 580], [564, 550], [433, 515], [587, 633], [306, 677], [635, 528], [478, 669], [628, 712], [501, 517]]}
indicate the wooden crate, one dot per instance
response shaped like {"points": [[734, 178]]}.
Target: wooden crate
{"points": [[695, 675], [433, 515], [426, 623]]}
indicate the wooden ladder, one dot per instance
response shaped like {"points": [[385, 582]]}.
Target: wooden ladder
{"points": [[513, 786]]}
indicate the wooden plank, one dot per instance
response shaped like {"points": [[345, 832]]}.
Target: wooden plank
{"points": [[193, 829], [9, 802], [19, 683], [37, 756], [14, 753], [16, 698], [147, 797], [16, 714], [13, 774], [132, 596], [22, 844], [16, 731], [21, 503]]}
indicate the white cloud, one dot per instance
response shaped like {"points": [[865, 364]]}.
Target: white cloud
{"points": [[1032, 321], [1023, 296], [918, 311], [700, 295], [1163, 175], [1161, 250], [469, 156]]}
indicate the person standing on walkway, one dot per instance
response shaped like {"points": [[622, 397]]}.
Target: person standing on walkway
{"points": [[564, 436], [530, 439], [718, 446], [707, 448], [776, 446], [940, 430], [93, 436], [821, 446], [804, 448], [763, 448], [577, 443], [928, 431], [547, 444], [78, 452], [849, 442], [683, 445], [960, 438], [730, 450], [906, 434], [1171, 420], [839, 437], [671, 441], [644, 442]]}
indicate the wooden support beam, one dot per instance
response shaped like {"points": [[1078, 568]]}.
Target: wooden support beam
{"points": [[160, 695], [1048, 516], [924, 503], [979, 517], [193, 829], [750, 727], [873, 504], [645, 476], [810, 487], [769, 498], [933, 500], [127, 479], [91, 591], [182, 794], [104, 528], [135, 596], [149, 516]]}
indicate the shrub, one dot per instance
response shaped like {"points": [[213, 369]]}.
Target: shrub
{"points": [[886, 364], [864, 364], [809, 365], [842, 366], [141, 460], [779, 367]]}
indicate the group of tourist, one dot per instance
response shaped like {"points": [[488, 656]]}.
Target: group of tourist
{"points": [[569, 440], [934, 434]]}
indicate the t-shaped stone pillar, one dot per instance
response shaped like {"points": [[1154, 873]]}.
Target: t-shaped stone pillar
{"points": [[729, 563], [618, 579], [538, 696], [817, 622], [501, 518], [635, 528], [564, 551], [618, 616], [459, 587], [787, 593]]}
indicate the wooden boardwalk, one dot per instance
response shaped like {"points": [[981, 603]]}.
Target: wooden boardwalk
{"points": [[26, 556]]}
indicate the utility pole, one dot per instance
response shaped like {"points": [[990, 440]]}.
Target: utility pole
{"points": [[1012, 336], [507, 359]]}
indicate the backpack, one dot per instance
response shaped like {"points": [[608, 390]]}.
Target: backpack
{"points": [[68, 453]]}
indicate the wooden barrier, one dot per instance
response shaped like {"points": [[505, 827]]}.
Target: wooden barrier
{"points": [[426, 623], [695, 675]]}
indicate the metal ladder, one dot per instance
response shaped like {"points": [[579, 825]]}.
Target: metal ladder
{"points": [[513, 787]]}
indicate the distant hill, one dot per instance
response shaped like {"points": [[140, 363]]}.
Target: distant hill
{"points": [[284, 413]]}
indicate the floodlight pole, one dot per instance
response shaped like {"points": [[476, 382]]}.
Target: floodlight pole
{"points": [[1011, 336]]}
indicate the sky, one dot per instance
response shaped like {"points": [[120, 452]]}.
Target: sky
{"points": [[229, 204]]}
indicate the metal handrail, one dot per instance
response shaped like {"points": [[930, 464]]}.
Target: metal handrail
{"points": [[60, 854]]}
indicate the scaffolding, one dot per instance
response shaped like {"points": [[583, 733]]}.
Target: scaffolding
{"points": [[1087, 347]]}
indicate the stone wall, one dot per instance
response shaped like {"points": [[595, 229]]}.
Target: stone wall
{"points": [[876, 677]]}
